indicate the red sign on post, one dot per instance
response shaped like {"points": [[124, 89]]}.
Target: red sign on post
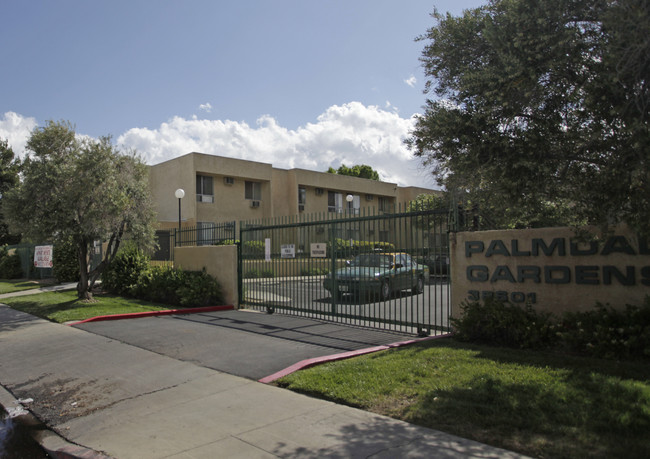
{"points": [[43, 256]]}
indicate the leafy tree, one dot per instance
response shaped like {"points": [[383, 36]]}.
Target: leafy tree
{"points": [[64, 258], [361, 171], [81, 190], [9, 168], [429, 202], [423, 202], [541, 110]]}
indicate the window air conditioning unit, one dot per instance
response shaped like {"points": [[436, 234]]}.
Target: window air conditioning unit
{"points": [[319, 191], [207, 198], [255, 203], [228, 180]]}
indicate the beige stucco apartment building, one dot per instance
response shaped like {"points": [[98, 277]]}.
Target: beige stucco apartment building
{"points": [[219, 189]]}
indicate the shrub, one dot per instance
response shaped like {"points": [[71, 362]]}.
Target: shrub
{"points": [[174, 286], [253, 249], [256, 273], [122, 276], [199, 289], [504, 324], [609, 333], [603, 332], [252, 274], [66, 264], [345, 247], [10, 265], [314, 271], [160, 284]]}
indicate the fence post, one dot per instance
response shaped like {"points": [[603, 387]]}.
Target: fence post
{"points": [[333, 255], [240, 280]]}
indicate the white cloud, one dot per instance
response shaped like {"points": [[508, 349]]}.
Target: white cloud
{"points": [[391, 107], [206, 107], [16, 129], [344, 134], [411, 81]]}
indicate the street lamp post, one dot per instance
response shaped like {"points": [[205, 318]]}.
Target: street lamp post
{"points": [[179, 194]]}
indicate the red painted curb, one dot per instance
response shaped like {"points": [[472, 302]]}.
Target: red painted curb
{"points": [[344, 355], [166, 312]]}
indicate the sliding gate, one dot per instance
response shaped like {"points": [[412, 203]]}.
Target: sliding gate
{"points": [[387, 271]]}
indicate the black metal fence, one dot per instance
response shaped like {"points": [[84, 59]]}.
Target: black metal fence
{"points": [[25, 252], [201, 234], [383, 270], [205, 234]]}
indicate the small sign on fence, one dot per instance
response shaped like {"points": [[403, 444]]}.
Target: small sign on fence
{"points": [[318, 250], [288, 251], [43, 256]]}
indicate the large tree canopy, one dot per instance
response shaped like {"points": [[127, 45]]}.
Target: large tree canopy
{"points": [[8, 179], [542, 109], [81, 190]]}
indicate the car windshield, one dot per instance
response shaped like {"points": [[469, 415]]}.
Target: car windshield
{"points": [[372, 261]]}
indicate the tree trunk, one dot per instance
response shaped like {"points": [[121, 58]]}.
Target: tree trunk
{"points": [[82, 287], [111, 251]]}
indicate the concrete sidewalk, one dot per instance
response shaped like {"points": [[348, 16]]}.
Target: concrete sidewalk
{"points": [[105, 396]]}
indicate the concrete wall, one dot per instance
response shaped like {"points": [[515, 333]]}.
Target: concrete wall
{"points": [[219, 261], [550, 268]]}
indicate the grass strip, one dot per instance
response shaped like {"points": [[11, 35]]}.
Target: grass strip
{"points": [[539, 404], [10, 286], [64, 307]]}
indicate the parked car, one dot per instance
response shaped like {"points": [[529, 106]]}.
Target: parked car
{"points": [[378, 274], [438, 264]]}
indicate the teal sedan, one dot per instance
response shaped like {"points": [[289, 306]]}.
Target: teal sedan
{"points": [[378, 274]]}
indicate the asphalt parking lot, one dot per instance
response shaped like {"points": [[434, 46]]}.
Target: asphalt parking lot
{"points": [[240, 342]]}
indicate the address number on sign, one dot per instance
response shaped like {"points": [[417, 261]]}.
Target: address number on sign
{"points": [[512, 297]]}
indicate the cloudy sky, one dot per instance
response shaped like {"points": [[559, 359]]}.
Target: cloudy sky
{"points": [[294, 83]]}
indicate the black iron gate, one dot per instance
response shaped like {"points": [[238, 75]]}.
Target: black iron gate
{"points": [[387, 271]]}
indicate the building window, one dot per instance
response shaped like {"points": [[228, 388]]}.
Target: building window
{"points": [[334, 202], [354, 206], [302, 198], [253, 191], [383, 204], [204, 190]]}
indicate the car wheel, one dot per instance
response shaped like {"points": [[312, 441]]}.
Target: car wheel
{"points": [[419, 286], [385, 290]]}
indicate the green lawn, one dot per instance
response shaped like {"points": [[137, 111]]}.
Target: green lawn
{"points": [[65, 306], [9, 286], [536, 403]]}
